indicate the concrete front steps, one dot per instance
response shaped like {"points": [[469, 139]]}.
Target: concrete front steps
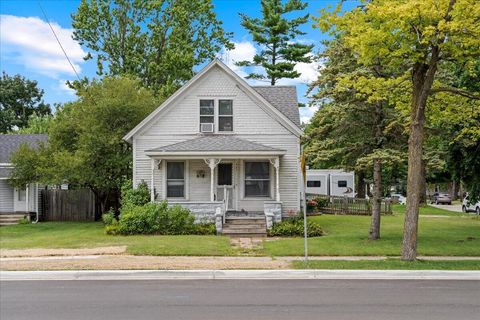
{"points": [[245, 226], [10, 219]]}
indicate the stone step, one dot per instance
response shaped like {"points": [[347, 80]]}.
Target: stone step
{"points": [[10, 223], [247, 235], [246, 230], [244, 226], [244, 221]]}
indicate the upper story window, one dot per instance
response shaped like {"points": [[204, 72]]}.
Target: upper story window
{"points": [[225, 115], [219, 115], [207, 112]]}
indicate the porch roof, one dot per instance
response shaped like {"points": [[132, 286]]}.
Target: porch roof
{"points": [[215, 145], [5, 172]]}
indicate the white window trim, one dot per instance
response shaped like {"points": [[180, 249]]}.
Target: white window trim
{"points": [[242, 181], [186, 186], [216, 113]]}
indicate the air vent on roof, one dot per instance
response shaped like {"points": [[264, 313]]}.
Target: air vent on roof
{"points": [[206, 127]]}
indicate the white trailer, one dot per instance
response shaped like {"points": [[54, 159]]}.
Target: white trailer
{"points": [[333, 182]]}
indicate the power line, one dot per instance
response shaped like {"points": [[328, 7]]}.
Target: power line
{"points": [[58, 40]]}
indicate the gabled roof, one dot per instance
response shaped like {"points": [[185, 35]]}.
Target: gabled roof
{"points": [[214, 143], [287, 119], [9, 143], [284, 98]]}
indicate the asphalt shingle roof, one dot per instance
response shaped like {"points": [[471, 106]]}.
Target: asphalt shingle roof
{"points": [[214, 143], [11, 142], [284, 98]]}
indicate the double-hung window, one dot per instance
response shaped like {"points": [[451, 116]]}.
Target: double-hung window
{"points": [[257, 179], [225, 115], [207, 111], [175, 179]]}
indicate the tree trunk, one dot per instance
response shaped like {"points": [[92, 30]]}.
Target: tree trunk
{"points": [[377, 200], [423, 184], [361, 185], [423, 76]]}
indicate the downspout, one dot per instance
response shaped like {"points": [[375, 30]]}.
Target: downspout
{"points": [[36, 204]]}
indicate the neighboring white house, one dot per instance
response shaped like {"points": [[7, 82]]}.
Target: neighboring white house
{"points": [[17, 200], [333, 182], [219, 145]]}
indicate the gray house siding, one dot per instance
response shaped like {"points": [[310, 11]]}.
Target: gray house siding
{"points": [[6, 197]]}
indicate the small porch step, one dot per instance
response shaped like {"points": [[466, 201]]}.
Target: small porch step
{"points": [[10, 219], [245, 224]]}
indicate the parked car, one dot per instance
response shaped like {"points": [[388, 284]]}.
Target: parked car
{"points": [[467, 206], [398, 198], [441, 198]]}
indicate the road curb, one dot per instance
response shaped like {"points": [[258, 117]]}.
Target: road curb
{"points": [[239, 274]]}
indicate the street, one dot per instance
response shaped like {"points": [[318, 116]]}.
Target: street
{"points": [[240, 299]]}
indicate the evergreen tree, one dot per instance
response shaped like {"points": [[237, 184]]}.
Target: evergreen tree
{"points": [[276, 35]]}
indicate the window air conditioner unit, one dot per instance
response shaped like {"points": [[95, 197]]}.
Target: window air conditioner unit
{"points": [[206, 127]]}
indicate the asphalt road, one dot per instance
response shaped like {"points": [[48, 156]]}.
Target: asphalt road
{"points": [[241, 299]]}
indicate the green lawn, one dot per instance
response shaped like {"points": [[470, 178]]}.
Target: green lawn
{"points": [[390, 264], [348, 235], [345, 235], [87, 234]]}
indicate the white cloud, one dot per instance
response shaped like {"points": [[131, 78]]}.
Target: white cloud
{"points": [[245, 50], [62, 85], [306, 113], [30, 42]]}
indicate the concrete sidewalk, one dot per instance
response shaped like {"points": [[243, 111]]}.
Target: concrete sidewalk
{"points": [[239, 274], [129, 262]]}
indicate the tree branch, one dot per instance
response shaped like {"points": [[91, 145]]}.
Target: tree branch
{"points": [[460, 92]]}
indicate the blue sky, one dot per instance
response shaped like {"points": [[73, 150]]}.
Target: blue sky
{"points": [[28, 47]]}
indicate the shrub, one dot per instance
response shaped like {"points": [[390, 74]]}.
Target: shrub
{"points": [[317, 203], [113, 228], [24, 220], [134, 197], [156, 218], [205, 229], [293, 227], [108, 218]]}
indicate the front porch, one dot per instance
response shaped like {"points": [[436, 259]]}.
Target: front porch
{"points": [[213, 182]]}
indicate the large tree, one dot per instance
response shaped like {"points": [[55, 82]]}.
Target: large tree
{"points": [[20, 98], [276, 35], [85, 146], [414, 36], [354, 128], [158, 41]]}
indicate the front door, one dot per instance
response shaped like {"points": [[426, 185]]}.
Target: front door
{"points": [[225, 184]]}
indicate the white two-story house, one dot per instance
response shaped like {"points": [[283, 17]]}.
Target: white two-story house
{"points": [[219, 145]]}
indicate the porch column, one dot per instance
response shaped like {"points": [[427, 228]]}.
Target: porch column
{"points": [[276, 163], [212, 163], [27, 209], [152, 180]]}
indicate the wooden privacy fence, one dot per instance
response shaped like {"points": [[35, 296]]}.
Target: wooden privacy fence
{"points": [[347, 205], [68, 205]]}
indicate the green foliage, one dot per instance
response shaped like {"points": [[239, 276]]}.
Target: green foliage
{"points": [[156, 218], [205, 229], [20, 98], [36, 125], [294, 227], [134, 197], [276, 35], [24, 220], [86, 145], [316, 203], [157, 41], [108, 218]]}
